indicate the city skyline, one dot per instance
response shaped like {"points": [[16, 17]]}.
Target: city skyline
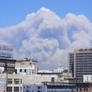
{"points": [[44, 30]]}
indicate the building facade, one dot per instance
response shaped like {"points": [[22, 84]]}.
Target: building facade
{"points": [[50, 87], [6, 51], [14, 83], [7, 65], [80, 63], [28, 67], [84, 87]]}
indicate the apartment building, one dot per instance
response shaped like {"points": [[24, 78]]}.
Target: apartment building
{"points": [[80, 63]]}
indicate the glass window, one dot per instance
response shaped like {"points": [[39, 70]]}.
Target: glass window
{"points": [[25, 70], [20, 70], [21, 81], [16, 81], [9, 81], [16, 89], [9, 89]]}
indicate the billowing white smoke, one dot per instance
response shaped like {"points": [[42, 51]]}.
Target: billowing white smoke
{"points": [[48, 38]]}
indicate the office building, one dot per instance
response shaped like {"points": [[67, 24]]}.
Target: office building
{"points": [[80, 63]]}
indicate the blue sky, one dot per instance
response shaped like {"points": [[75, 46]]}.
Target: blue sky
{"points": [[47, 30], [14, 11]]}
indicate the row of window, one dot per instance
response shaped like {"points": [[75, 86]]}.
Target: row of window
{"points": [[16, 81], [16, 89]]}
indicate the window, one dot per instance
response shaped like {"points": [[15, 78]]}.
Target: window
{"points": [[20, 70], [16, 81], [9, 89], [25, 70], [9, 81], [16, 89], [39, 87], [20, 89], [39, 91], [15, 71], [21, 81]]}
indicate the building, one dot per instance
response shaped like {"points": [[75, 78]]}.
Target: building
{"points": [[6, 51], [80, 63], [84, 87], [50, 87], [14, 83], [33, 88], [38, 79], [7, 65], [71, 63], [65, 77], [28, 67]]}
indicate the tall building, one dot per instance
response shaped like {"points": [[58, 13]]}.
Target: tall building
{"points": [[80, 63]]}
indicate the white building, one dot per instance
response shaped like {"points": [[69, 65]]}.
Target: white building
{"points": [[27, 67], [14, 83]]}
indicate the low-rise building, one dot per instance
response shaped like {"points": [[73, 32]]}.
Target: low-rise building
{"points": [[38, 79], [50, 87], [14, 83], [27, 67]]}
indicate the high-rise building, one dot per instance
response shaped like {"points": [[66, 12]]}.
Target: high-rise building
{"points": [[80, 63]]}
